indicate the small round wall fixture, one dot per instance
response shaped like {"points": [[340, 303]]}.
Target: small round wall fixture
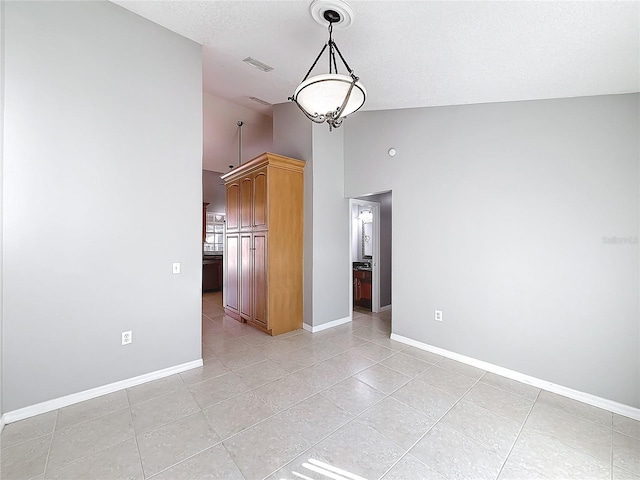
{"points": [[392, 152]]}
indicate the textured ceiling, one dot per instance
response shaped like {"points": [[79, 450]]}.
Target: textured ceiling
{"points": [[412, 53]]}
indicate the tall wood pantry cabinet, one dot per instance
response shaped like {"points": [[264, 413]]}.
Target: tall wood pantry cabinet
{"points": [[263, 251]]}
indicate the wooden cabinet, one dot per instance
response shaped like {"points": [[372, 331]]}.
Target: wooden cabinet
{"points": [[362, 288], [211, 273], [264, 243]]}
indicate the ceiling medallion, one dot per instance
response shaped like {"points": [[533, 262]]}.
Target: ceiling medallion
{"points": [[332, 96]]}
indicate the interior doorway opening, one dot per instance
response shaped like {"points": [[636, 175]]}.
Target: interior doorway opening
{"points": [[370, 223]]}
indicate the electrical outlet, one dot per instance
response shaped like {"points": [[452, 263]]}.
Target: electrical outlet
{"points": [[126, 338], [437, 315], [176, 268]]}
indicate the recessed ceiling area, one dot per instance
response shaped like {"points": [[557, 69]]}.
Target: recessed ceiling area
{"points": [[414, 53]]}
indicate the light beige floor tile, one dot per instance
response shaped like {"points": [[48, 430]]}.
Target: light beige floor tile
{"points": [[485, 427], [235, 361], [409, 467], [90, 437], [261, 373], [626, 452], [292, 360], [322, 375], [456, 456], [422, 355], [447, 381], [162, 410], [25, 460], [348, 362], [360, 450], [579, 409], [120, 461], [326, 349], [353, 395], [264, 448], [234, 415], [511, 386], [80, 412], [28, 429], [300, 341], [258, 338], [315, 418], [174, 442], [382, 378], [373, 351], [539, 456], [425, 398], [500, 402], [397, 422], [211, 368], [217, 389], [226, 345], [406, 364], [461, 368], [153, 389], [284, 392], [388, 343], [576, 432], [627, 426], [212, 464], [348, 341], [621, 474]]}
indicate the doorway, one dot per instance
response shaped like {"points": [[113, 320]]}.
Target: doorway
{"points": [[370, 252]]}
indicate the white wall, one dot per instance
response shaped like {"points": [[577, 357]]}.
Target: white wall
{"points": [[220, 118], [102, 183], [331, 269], [515, 200], [292, 137], [2, 29], [213, 192], [326, 221]]}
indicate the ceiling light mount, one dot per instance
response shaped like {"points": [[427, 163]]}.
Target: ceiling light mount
{"points": [[320, 9], [330, 97]]}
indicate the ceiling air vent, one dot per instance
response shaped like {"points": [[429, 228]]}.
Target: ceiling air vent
{"points": [[258, 64], [260, 101]]}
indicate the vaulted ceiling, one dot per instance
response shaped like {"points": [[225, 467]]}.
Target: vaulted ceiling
{"points": [[415, 53]]}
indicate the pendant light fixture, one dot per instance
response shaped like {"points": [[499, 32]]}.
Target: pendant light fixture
{"points": [[332, 96]]}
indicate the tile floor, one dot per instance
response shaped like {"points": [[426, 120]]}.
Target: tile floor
{"points": [[344, 403]]}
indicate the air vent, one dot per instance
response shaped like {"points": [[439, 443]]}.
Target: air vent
{"points": [[260, 101], [258, 64]]}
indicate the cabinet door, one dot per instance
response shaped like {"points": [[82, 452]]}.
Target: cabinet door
{"points": [[246, 204], [260, 199], [246, 291], [233, 206], [260, 278], [232, 257]]}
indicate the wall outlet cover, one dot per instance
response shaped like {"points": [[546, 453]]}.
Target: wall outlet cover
{"points": [[127, 338], [437, 315]]}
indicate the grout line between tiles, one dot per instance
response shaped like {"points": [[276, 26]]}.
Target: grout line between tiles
{"points": [[46, 463], [518, 436], [432, 426]]}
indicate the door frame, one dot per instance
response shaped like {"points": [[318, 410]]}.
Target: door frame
{"points": [[375, 263]]}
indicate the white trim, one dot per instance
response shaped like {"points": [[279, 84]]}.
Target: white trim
{"points": [[50, 405], [324, 326], [385, 308], [588, 398], [1, 423]]}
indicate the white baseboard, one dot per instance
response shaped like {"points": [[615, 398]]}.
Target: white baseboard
{"points": [[50, 405], [385, 308], [588, 398], [324, 326], [1, 423]]}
